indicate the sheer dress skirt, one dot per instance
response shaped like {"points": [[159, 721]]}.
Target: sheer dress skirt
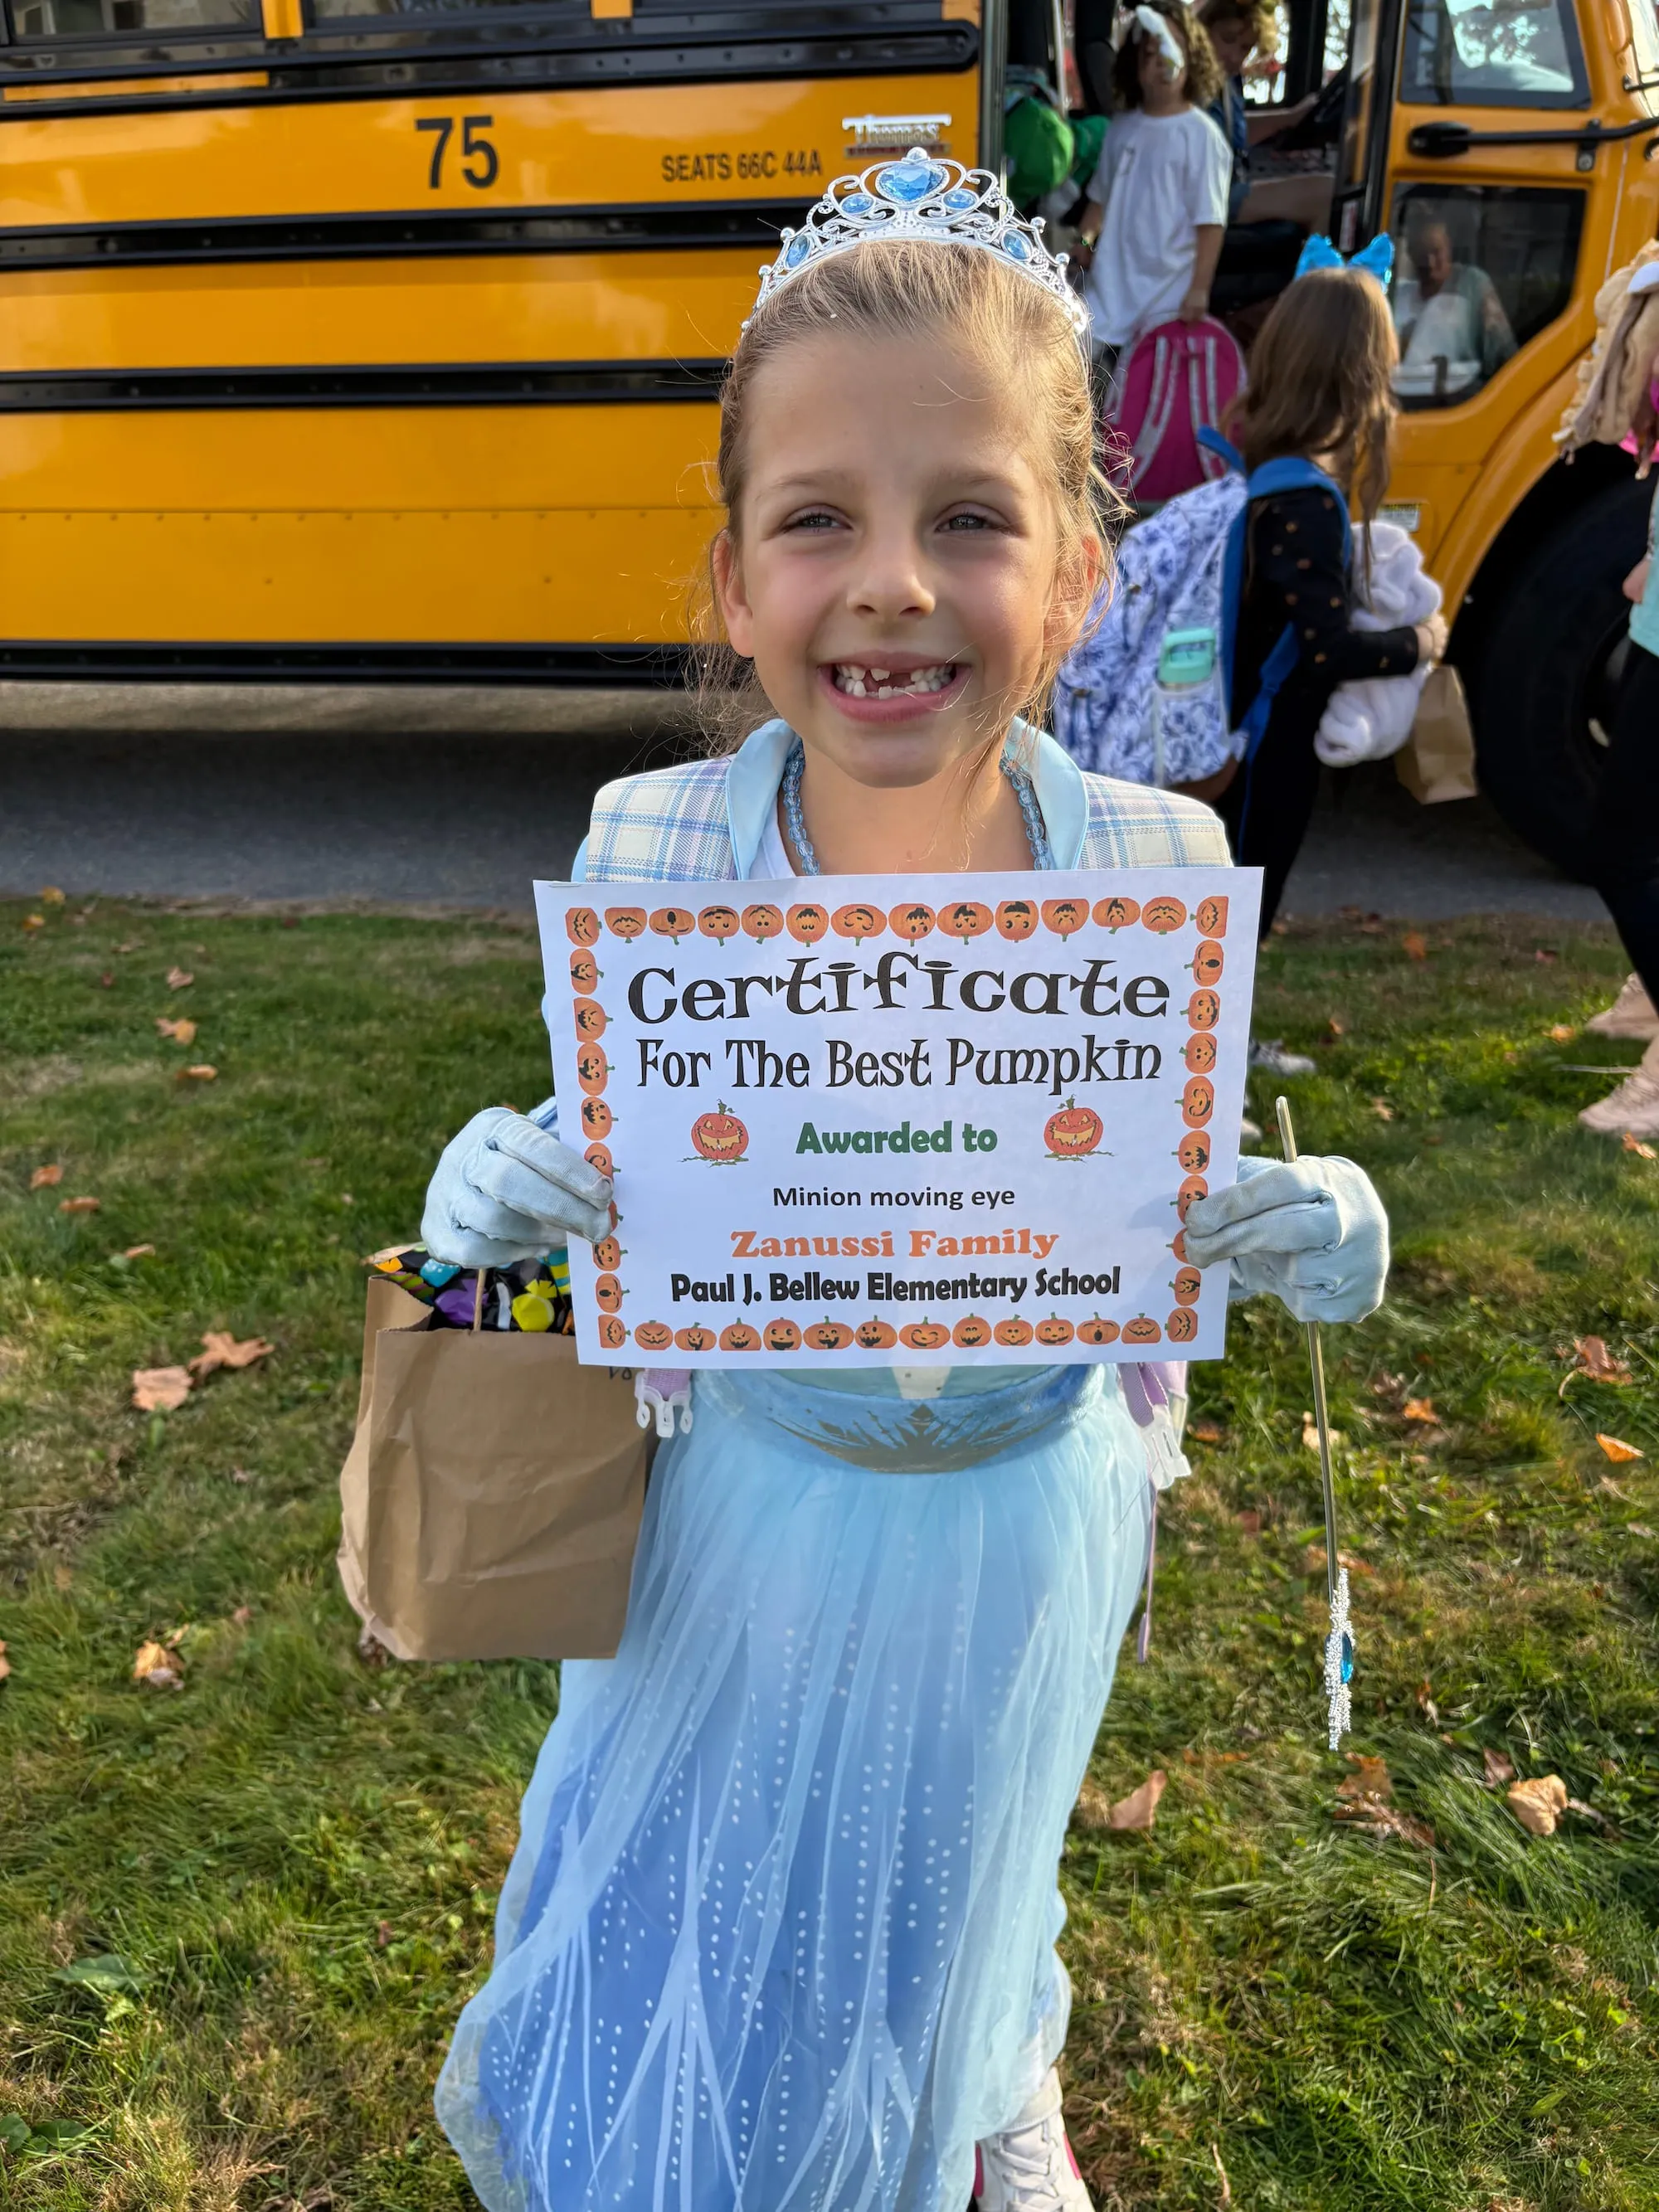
{"points": [[778, 1935]]}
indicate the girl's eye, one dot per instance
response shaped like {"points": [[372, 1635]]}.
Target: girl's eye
{"points": [[815, 518], [968, 522]]}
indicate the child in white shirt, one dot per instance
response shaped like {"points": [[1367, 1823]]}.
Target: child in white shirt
{"points": [[1157, 204]]}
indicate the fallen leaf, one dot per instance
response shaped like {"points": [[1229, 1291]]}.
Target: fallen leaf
{"points": [[131, 944], [44, 1178], [1617, 1450], [1591, 1358], [1337, 1028], [51, 896], [161, 1668], [1414, 945], [370, 1649], [1633, 1144], [79, 1205], [1310, 1434], [240, 1474], [1537, 1804], [1249, 1521], [242, 1615], [1563, 1033], [1497, 1768], [62, 1577], [1314, 1562], [5, 1663], [139, 1252], [1425, 1702], [1140, 1809], [383, 1934], [34, 921], [106, 981], [160, 1390], [203, 1073], [179, 978], [1371, 1778], [1421, 1409], [1637, 1529], [181, 1032], [1588, 1812], [220, 1349], [1206, 1432], [1382, 1108], [1546, 955]]}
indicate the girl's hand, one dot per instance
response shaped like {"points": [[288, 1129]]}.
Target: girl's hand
{"points": [[506, 1190], [1312, 1231], [1637, 583], [1431, 637], [1195, 305]]}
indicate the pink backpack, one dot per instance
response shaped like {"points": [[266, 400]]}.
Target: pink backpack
{"points": [[1177, 381]]}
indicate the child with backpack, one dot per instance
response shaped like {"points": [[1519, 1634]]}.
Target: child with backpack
{"points": [[1313, 431]]}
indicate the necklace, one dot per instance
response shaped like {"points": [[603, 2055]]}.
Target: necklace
{"points": [[1019, 776]]}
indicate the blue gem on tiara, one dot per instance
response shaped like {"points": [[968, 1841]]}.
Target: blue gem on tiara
{"points": [[923, 196]]}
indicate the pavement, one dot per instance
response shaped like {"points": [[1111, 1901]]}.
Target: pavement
{"points": [[455, 796]]}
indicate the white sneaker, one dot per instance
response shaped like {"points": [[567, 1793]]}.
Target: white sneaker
{"points": [[1634, 1106], [1631, 1015], [1269, 1057], [1029, 2167]]}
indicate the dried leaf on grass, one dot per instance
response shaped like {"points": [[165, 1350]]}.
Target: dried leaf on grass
{"points": [[51, 896], [1137, 1811], [161, 1668], [179, 978], [202, 1073], [1617, 1450], [1249, 1522], [1498, 1769], [1591, 1358], [44, 1178], [79, 1205], [1314, 1562], [1414, 945], [32, 921], [1421, 1409], [220, 1349], [1537, 1804], [1382, 1108], [1310, 1434], [1370, 1779], [160, 1390], [5, 1663], [1205, 1432], [183, 1032], [1563, 1033], [1633, 1143], [139, 1252], [1365, 1800]]}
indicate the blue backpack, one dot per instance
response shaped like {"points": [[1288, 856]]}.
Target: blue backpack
{"points": [[1144, 695]]}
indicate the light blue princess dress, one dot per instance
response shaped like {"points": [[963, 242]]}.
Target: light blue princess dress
{"points": [[779, 1933]]}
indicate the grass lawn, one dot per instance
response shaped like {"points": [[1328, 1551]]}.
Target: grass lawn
{"points": [[237, 1917]]}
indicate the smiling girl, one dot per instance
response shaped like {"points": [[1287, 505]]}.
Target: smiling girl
{"points": [[779, 1933]]}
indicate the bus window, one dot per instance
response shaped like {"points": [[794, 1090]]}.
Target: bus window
{"points": [[1480, 270], [1494, 53], [33, 20]]}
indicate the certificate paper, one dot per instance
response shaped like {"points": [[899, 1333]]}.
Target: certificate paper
{"points": [[867, 1121]]}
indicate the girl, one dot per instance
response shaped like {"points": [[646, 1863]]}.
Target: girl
{"points": [[1319, 393], [1158, 206], [778, 1935]]}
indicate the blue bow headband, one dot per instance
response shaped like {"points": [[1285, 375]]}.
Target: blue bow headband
{"points": [[1375, 260]]}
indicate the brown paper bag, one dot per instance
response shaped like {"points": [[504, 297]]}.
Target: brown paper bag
{"points": [[492, 1499], [1438, 760]]}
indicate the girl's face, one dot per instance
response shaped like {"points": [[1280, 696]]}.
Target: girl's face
{"points": [[1162, 86], [1234, 42], [896, 582]]}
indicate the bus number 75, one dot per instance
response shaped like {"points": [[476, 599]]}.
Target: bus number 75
{"points": [[480, 167]]}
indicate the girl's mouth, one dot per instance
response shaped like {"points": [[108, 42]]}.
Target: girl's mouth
{"points": [[876, 691]]}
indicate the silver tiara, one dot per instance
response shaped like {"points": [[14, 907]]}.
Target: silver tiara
{"points": [[923, 196]]}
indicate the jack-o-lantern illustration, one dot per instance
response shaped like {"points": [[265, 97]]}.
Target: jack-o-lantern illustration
{"points": [[970, 1332], [597, 1118], [584, 971], [1204, 1010], [695, 1338], [675, 921], [1193, 1187], [1182, 1326], [1193, 1151], [924, 1335], [627, 922], [1162, 913], [760, 922], [966, 918], [1198, 1101], [875, 1335], [911, 922], [1054, 1331], [737, 1336], [1207, 962], [719, 922], [826, 1335], [1097, 1331], [1065, 916], [608, 1294], [1188, 1284], [653, 1336], [591, 1019], [613, 1332], [720, 1136], [1141, 1330], [858, 921], [1178, 1244], [1200, 1053], [599, 1157], [1017, 917], [1013, 1330], [1211, 915], [592, 1068], [1116, 913], [781, 1335], [807, 923], [582, 925], [1073, 1132], [607, 1253]]}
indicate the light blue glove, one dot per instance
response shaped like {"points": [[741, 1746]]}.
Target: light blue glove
{"points": [[507, 1189], [1312, 1231]]}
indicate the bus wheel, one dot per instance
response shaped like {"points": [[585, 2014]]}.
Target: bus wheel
{"points": [[1549, 677]]}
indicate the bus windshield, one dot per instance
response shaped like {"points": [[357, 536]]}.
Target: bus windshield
{"points": [[1494, 53]]}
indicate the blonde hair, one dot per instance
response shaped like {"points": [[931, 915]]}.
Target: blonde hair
{"points": [[1322, 382], [999, 318]]}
